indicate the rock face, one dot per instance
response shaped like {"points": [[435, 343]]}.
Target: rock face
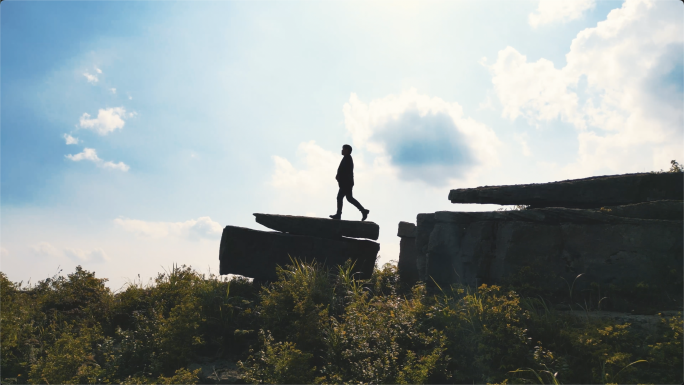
{"points": [[620, 246], [319, 227], [408, 273], [256, 254], [595, 192]]}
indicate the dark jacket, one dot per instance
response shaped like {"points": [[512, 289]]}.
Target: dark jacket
{"points": [[345, 173]]}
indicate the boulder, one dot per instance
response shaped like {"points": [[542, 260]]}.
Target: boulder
{"points": [[472, 248], [595, 192], [319, 227], [256, 254], [408, 272]]}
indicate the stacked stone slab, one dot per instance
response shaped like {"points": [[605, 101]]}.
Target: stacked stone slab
{"points": [[595, 192], [407, 253], [256, 254], [617, 230]]}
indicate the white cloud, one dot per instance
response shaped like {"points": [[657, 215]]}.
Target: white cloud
{"points": [[487, 104], [91, 78], [79, 255], [90, 154], [422, 138], [99, 71], [535, 91], [44, 249], [622, 89], [70, 139], [522, 140], [116, 166], [319, 163], [113, 90], [551, 11], [107, 120], [87, 154], [202, 227]]}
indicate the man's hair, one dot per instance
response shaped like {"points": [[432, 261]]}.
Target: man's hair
{"points": [[348, 147]]}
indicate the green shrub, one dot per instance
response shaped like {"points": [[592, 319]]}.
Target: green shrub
{"points": [[295, 308], [278, 363], [70, 359], [19, 320]]}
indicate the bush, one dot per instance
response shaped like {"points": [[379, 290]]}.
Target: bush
{"points": [[317, 325]]}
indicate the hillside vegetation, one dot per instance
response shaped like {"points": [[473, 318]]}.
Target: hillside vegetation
{"points": [[316, 326]]}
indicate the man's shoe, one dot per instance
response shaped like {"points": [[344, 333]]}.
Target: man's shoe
{"points": [[365, 214], [336, 216]]}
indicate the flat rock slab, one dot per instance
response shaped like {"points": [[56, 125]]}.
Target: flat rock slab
{"points": [[319, 227], [256, 254], [611, 190]]}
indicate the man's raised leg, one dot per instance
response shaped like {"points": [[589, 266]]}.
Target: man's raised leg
{"points": [[356, 203]]}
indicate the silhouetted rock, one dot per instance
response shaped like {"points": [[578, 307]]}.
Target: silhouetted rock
{"points": [[425, 223], [612, 190], [256, 254], [608, 247], [408, 270], [319, 227], [406, 229]]}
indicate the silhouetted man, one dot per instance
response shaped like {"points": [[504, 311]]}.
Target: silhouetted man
{"points": [[345, 179]]}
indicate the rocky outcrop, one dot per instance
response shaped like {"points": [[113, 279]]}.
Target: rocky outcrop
{"points": [[319, 227], [595, 192], [619, 246], [256, 254], [406, 267]]}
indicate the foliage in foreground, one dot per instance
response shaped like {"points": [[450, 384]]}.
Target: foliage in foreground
{"points": [[315, 325]]}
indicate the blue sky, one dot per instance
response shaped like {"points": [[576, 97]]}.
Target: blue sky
{"points": [[132, 132]]}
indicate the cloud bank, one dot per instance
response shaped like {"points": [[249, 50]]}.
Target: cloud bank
{"points": [[193, 229], [622, 88]]}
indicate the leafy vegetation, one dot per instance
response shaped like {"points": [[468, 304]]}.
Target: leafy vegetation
{"points": [[674, 167], [314, 325]]}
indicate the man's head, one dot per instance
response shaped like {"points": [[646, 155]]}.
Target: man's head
{"points": [[346, 149]]}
